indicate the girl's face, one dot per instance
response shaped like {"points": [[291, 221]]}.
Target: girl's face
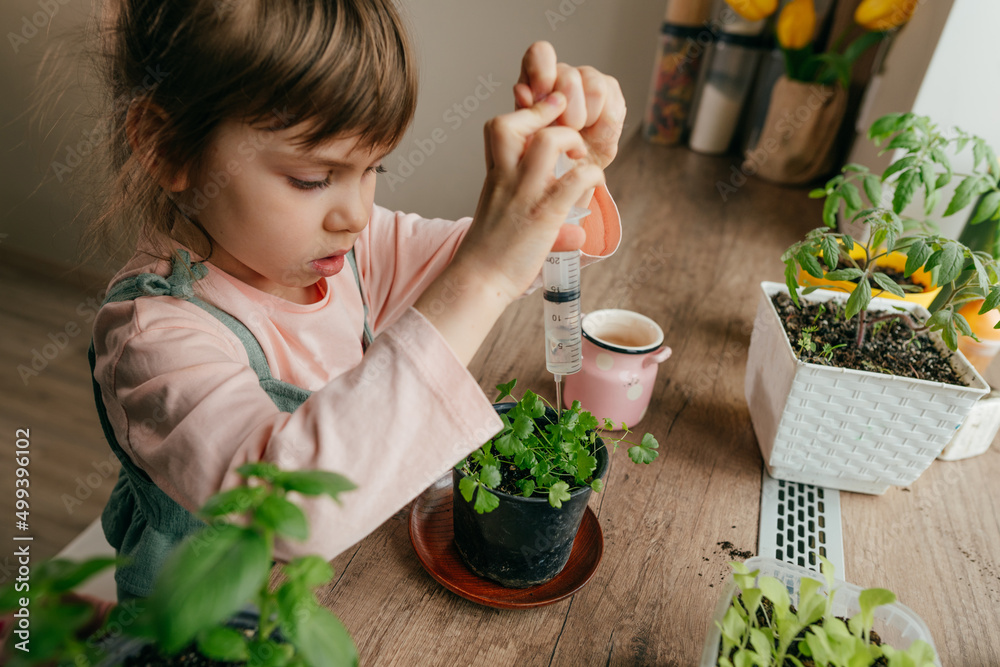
{"points": [[281, 218]]}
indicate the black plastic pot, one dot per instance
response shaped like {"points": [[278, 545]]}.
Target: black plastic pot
{"points": [[525, 541]]}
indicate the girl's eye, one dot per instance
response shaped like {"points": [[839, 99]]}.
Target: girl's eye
{"points": [[377, 169], [308, 185]]}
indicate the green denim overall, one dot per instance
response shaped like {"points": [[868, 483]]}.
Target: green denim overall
{"points": [[140, 521]]}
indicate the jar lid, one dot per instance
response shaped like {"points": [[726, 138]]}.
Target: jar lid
{"points": [[687, 31], [746, 41]]}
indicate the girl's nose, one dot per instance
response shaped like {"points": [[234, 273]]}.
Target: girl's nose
{"points": [[349, 214]]}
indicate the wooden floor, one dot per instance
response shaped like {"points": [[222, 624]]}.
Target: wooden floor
{"points": [[46, 319]]}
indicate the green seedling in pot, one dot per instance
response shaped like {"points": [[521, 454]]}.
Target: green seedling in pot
{"points": [[965, 275], [554, 458], [761, 627]]}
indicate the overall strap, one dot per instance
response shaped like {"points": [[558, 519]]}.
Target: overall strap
{"points": [[367, 336]]}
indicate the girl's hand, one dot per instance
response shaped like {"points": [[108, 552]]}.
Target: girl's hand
{"points": [[518, 221], [595, 107]]}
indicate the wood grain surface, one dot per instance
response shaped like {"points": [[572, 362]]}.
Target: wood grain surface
{"points": [[692, 261]]}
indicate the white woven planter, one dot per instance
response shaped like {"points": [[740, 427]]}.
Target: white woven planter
{"points": [[842, 428]]}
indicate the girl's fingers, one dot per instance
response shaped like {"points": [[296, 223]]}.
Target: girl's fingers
{"points": [[564, 192], [570, 83], [571, 237], [538, 70], [507, 135], [603, 135], [595, 93], [539, 161], [523, 97]]}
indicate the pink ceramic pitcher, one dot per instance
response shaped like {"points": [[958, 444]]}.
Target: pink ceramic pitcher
{"points": [[621, 352]]}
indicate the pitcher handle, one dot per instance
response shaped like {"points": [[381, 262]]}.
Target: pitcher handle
{"points": [[657, 357]]}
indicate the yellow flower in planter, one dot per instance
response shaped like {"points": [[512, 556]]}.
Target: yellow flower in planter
{"points": [[753, 10], [881, 15], [796, 24]]}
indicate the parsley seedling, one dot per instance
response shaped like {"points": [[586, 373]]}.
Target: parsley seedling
{"points": [[558, 457]]}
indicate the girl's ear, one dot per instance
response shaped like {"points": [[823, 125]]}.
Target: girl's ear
{"points": [[144, 125]]}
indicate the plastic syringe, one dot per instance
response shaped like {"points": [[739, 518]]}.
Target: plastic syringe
{"points": [[561, 304]]}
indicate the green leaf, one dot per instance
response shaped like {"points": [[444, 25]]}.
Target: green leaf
{"points": [[852, 196], [962, 325], [817, 193], [850, 273], [848, 242], [308, 571], [321, 639], [206, 579], [899, 165], [963, 195], [585, 465], [809, 263], [869, 599], [597, 486], [830, 207], [978, 152], [775, 591], [224, 644], [949, 335], [991, 301], [266, 471], [939, 320], [523, 426], [558, 493], [831, 251], [791, 281], [927, 177], [873, 189], [906, 187], [505, 444], [905, 141], [884, 126], [490, 475], [916, 256], [62, 575], [859, 299], [235, 500], [505, 390], [933, 199], [645, 451], [533, 405], [467, 486], [282, 516], [950, 262], [486, 501], [315, 483], [987, 207], [887, 283], [527, 486]]}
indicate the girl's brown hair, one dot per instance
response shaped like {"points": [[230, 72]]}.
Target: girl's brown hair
{"points": [[329, 67]]}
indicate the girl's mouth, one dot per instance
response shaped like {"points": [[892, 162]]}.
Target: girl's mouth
{"points": [[329, 266]]}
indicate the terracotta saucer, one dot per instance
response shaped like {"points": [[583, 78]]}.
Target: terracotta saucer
{"points": [[432, 532]]}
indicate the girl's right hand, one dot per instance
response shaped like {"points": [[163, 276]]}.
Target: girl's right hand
{"points": [[519, 220], [522, 209]]}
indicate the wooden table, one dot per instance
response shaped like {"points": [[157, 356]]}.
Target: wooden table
{"points": [[692, 261]]}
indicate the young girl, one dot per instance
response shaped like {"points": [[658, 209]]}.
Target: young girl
{"points": [[270, 311]]}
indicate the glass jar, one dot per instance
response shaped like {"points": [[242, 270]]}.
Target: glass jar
{"points": [[675, 75]]}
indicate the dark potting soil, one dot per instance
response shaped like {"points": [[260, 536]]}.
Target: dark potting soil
{"points": [[149, 656], [765, 612], [890, 347]]}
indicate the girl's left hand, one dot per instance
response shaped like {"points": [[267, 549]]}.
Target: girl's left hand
{"points": [[596, 107]]}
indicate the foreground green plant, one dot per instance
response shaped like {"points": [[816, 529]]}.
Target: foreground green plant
{"points": [[964, 274], [210, 576], [214, 573], [48, 620], [762, 629], [559, 457]]}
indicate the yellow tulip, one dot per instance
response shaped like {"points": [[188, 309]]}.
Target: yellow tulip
{"points": [[880, 15], [796, 24], [753, 10]]}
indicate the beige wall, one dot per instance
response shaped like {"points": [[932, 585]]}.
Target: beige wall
{"points": [[462, 43]]}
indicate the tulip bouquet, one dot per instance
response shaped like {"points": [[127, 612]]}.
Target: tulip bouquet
{"points": [[796, 29]]}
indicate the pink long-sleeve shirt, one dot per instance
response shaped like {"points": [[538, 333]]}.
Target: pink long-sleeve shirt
{"points": [[187, 408]]}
